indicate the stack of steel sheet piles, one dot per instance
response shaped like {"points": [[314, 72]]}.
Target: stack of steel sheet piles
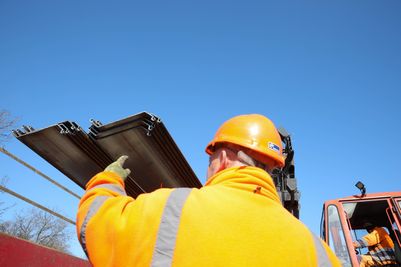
{"points": [[66, 147], [169, 147], [154, 158]]}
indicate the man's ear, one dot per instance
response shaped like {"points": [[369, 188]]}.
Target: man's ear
{"points": [[223, 158]]}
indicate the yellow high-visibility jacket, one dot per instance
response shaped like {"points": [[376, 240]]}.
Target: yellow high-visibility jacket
{"points": [[380, 246], [236, 219]]}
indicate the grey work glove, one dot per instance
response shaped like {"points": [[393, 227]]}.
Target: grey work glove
{"points": [[117, 167]]}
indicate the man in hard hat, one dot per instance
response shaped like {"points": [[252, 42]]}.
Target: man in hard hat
{"points": [[236, 219], [380, 246]]}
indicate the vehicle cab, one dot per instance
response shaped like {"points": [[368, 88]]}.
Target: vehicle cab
{"points": [[343, 219]]}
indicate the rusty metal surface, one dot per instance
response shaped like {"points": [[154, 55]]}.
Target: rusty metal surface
{"points": [[64, 152], [154, 158]]}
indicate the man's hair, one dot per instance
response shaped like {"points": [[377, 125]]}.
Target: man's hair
{"points": [[368, 225], [244, 155]]}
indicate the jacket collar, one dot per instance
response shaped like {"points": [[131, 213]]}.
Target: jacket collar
{"points": [[246, 178]]}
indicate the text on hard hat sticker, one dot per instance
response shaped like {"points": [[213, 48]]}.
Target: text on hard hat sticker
{"points": [[274, 147]]}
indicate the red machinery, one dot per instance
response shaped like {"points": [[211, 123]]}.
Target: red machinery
{"points": [[16, 252], [342, 222]]}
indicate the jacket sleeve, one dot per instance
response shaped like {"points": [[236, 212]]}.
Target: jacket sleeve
{"points": [[368, 240], [110, 223], [102, 188]]}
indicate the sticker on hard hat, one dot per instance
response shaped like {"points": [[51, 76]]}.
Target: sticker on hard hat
{"points": [[274, 147]]}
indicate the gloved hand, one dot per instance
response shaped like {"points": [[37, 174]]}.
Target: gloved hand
{"points": [[117, 167]]}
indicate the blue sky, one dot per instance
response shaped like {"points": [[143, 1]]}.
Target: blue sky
{"points": [[328, 71]]}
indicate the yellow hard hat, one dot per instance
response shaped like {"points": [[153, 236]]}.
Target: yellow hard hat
{"points": [[255, 132]]}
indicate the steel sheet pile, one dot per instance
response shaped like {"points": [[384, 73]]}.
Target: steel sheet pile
{"points": [[154, 158]]}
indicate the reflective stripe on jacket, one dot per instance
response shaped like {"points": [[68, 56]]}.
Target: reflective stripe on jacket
{"points": [[380, 246], [235, 220]]}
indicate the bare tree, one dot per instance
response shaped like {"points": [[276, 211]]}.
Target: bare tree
{"points": [[3, 209], [6, 123], [39, 227], [3, 182], [35, 225]]}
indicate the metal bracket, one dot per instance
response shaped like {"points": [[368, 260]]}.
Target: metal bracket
{"points": [[95, 123], [63, 129], [155, 118]]}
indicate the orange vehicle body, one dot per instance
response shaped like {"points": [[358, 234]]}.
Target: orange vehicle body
{"points": [[342, 223]]}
